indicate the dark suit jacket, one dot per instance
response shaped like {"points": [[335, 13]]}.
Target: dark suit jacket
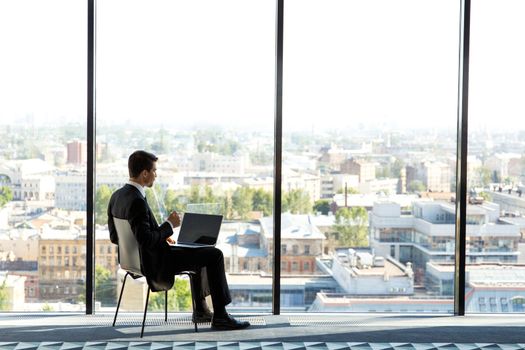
{"points": [[127, 203]]}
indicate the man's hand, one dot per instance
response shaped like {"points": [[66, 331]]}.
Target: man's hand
{"points": [[170, 240], [174, 219]]}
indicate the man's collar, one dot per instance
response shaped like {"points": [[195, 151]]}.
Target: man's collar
{"points": [[138, 187]]}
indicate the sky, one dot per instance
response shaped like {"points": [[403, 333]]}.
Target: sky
{"points": [[346, 62]]}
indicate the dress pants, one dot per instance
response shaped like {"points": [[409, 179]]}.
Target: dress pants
{"points": [[208, 264]]}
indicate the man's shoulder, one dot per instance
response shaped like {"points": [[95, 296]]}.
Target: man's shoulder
{"points": [[125, 201], [126, 190], [126, 194]]}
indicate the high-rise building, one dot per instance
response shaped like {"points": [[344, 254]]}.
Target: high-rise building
{"points": [[76, 152]]}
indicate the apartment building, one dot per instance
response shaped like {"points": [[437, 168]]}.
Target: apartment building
{"points": [[427, 234]]}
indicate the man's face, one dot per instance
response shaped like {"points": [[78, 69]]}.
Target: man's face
{"points": [[150, 175]]}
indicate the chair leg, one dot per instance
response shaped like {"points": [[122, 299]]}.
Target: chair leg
{"points": [[120, 298], [145, 311], [192, 301], [166, 307]]}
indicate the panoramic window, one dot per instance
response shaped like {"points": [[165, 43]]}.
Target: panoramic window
{"points": [[42, 154], [369, 149], [192, 82], [496, 162], [369, 152]]}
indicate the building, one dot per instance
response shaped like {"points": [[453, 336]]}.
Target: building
{"points": [[301, 243], [326, 302], [334, 183], [240, 244], [300, 180], [427, 234], [70, 191], [503, 165], [490, 287], [386, 186], [18, 256], [331, 158], [435, 176], [367, 200], [76, 152], [361, 272], [365, 170], [14, 291], [62, 263], [29, 179], [254, 291], [512, 203]]}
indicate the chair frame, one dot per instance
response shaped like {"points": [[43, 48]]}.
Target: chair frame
{"points": [[190, 274], [130, 261]]}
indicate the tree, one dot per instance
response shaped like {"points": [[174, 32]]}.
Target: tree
{"points": [[384, 171], [350, 224], [105, 288], [322, 205], [102, 197], [195, 194], [6, 195], [508, 180], [263, 201], [47, 308], [349, 190], [175, 201], [396, 167], [242, 201], [296, 201], [486, 196], [179, 297], [209, 197], [4, 302], [227, 204], [484, 176], [416, 186]]}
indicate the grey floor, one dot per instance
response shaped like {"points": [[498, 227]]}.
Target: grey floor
{"points": [[369, 328]]}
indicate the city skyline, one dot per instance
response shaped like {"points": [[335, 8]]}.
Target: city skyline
{"points": [[369, 147]]}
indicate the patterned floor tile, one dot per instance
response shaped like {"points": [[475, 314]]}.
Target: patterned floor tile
{"points": [[144, 345]]}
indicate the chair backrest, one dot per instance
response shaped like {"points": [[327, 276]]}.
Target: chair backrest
{"points": [[128, 248]]}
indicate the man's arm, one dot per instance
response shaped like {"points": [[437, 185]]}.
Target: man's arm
{"points": [[145, 234], [113, 236]]}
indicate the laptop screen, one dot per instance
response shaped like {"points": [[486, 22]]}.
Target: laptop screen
{"points": [[200, 228]]}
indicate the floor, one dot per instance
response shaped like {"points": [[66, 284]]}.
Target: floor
{"points": [[290, 331]]}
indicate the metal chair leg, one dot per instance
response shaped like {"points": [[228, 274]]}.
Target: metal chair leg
{"points": [[166, 307], [120, 298], [145, 311], [192, 301]]}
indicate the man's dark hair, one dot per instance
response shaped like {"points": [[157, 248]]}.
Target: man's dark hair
{"points": [[140, 160]]}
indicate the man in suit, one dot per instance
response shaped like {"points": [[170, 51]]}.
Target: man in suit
{"points": [[160, 261]]}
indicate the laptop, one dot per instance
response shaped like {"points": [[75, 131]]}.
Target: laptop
{"points": [[198, 230]]}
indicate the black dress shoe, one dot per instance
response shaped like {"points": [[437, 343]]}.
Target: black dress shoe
{"points": [[227, 322], [202, 316]]}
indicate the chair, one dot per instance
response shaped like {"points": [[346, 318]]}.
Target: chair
{"points": [[129, 260]]}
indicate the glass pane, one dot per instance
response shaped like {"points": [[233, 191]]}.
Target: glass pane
{"points": [[370, 113], [495, 215], [42, 153], [192, 82]]}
